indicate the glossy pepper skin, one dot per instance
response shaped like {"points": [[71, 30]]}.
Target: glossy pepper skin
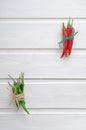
{"points": [[64, 35], [70, 32]]}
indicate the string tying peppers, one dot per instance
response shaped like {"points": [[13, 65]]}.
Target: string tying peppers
{"points": [[18, 91], [68, 34]]}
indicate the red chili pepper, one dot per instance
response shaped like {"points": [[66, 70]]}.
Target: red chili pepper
{"points": [[64, 34], [67, 32], [70, 32]]}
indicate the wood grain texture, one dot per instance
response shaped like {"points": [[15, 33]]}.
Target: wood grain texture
{"points": [[43, 64], [48, 95], [33, 34], [42, 9], [45, 122]]}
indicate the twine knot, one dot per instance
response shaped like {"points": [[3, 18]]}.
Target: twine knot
{"points": [[67, 38], [18, 98]]}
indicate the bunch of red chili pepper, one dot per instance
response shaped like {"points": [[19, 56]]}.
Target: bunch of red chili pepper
{"points": [[68, 34]]}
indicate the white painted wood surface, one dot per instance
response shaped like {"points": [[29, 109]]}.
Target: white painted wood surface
{"points": [[38, 33], [42, 64], [48, 94], [43, 122], [55, 89], [42, 9]]}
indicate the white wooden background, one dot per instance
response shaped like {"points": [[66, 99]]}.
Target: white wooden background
{"points": [[55, 88]]}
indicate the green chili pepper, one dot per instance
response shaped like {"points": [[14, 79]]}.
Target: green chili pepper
{"points": [[18, 88]]}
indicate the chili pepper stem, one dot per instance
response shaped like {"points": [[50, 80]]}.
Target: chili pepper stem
{"points": [[64, 28], [68, 25], [12, 78], [72, 23]]}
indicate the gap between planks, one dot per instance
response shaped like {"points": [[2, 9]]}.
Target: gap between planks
{"points": [[49, 80], [40, 20], [40, 51], [36, 49], [4, 81], [46, 111]]}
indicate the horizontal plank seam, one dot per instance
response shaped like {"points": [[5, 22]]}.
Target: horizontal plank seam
{"points": [[46, 111], [44, 79], [48, 83], [40, 18], [38, 49]]}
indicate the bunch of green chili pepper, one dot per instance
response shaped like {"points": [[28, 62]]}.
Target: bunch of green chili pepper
{"points": [[18, 91]]}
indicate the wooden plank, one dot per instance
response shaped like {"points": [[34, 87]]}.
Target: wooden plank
{"points": [[42, 9], [43, 122], [59, 94], [31, 34], [44, 111], [43, 64]]}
